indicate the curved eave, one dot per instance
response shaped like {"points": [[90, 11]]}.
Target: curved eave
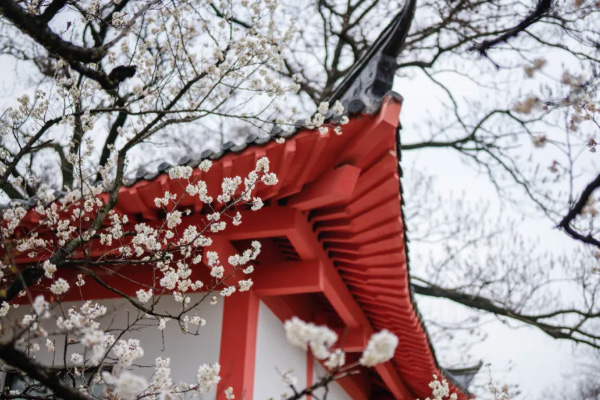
{"points": [[364, 236]]}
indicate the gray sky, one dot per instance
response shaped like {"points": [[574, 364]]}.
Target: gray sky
{"points": [[522, 355]]}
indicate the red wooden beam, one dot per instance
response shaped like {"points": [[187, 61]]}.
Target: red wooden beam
{"points": [[288, 278], [333, 187], [238, 345], [270, 222], [351, 340]]}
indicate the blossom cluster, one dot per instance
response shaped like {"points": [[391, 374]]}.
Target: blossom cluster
{"points": [[173, 248], [440, 390], [320, 339]]}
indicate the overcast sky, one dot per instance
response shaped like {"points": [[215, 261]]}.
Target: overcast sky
{"points": [[523, 355]]}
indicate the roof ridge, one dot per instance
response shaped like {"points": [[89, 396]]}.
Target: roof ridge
{"points": [[372, 76]]}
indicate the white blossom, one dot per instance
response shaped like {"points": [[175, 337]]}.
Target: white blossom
{"points": [[228, 291], [162, 323], [144, 295], [162, 374], [205, 165], [173, 219], [77, 359], [257, 204], [245, 285], [269, 179], [181, 172], [129, 386], [380, 348], [304, 335], [59, 287], [208, 377], [338, 108], [49, 269], [4, 308], [127, 351], [336, 359], [40, 306]]}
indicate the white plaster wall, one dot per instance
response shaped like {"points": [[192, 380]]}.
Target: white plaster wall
{"points": [[187, 352], [273, 353], [336, 392]]}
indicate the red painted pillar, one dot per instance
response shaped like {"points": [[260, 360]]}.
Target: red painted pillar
{"points": [[238, 345], [309, 371]]}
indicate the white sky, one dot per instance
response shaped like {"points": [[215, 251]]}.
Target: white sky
{"points": [[523, 356]]}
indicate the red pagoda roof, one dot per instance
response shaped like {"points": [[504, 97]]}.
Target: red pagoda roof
{"points": [[333, 240], [343, 193]]}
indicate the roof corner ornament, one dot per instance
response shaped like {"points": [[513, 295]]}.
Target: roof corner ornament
{"points": [[372, 76], [463, 377]]}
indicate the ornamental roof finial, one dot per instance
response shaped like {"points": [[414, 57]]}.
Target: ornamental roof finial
{"points": [[372, 76]]}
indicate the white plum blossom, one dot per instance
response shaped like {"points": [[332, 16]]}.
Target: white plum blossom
{"points": [[323, 107], [217, 271], [337, 108], [60, 286], [162, 374], [173, 219], [229, 187], [336, 359], [162, 323], [40, 306], [245, 285], [77, 359], [128, 351], [304, 335], [380, 348], [49, 269], [205, 165], [181, 172], [440, 389], [208, 377], [129, 386], [229, 393], [257, 204], [4, 308], [228, 291], [143, 295], [214, 216], [262, 165], [269, 179], [28, 320], [169, 281]]}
